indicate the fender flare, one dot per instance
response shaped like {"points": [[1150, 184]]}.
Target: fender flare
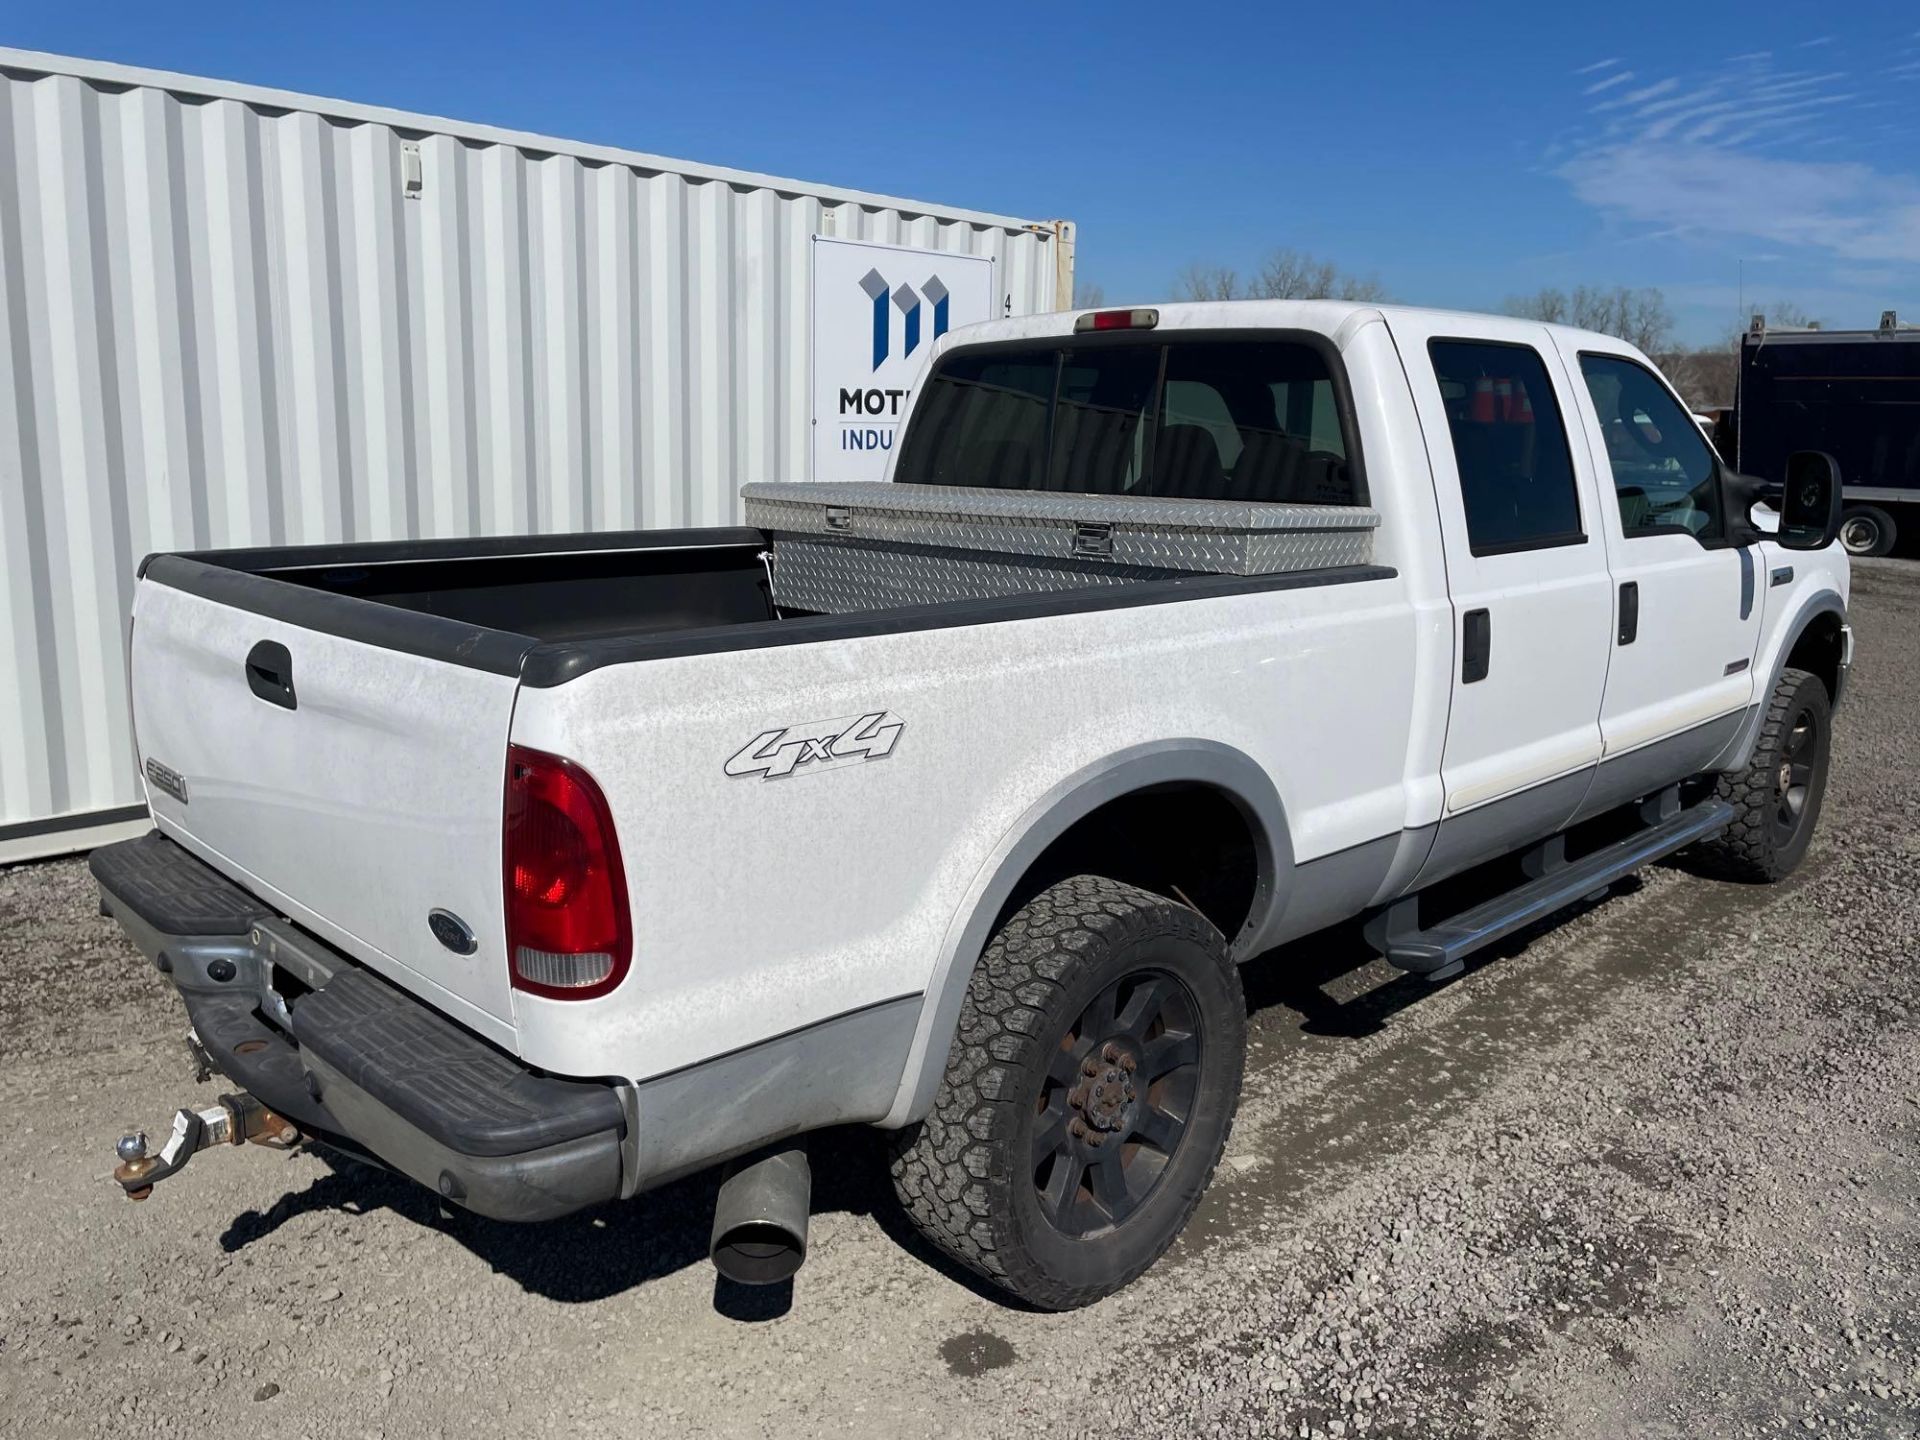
{"points": [[1739, 749], [1226, 769]]}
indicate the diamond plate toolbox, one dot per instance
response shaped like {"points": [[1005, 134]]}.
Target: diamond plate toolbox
{"points": [[843, 547]]}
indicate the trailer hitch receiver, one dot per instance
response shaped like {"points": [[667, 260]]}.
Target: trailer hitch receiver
{"points": [[236, 1120]]}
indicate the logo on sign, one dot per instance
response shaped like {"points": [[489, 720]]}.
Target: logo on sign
{"points": [[879, 312], [908, 304]]}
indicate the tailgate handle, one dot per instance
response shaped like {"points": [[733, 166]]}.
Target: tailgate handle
{"points": [[270, 674]]}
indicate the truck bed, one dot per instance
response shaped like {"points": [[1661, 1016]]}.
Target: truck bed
{"points": [[545, 608], [549, 588]]}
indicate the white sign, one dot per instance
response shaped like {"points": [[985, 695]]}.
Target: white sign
{"points": [[877, 309]]}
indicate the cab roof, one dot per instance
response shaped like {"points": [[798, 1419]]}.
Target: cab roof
{"points": [[1337, 319]]}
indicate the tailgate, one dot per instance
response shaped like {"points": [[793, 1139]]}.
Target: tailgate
{"points": [[356, 787]]}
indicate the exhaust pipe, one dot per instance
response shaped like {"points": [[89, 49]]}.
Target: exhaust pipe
{"points": [[760, 1218]]}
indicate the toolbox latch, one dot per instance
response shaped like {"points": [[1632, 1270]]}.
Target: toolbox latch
{"points": [[1093, 539], [839, 517]]}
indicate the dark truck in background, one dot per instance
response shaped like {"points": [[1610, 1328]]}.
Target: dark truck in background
{"points": [[1852, 393]]}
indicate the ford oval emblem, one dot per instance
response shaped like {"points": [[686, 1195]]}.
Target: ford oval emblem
{"points": [[451, 931]]}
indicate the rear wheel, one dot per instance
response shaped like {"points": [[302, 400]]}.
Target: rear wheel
{"points": [[1868, 530], [1777, 797], [1087, 1096]]}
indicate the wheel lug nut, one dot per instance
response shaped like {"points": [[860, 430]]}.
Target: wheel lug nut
{"points": [[1129, 1064], [1078, 1129], [1090, 1067], [1110, 1052]]}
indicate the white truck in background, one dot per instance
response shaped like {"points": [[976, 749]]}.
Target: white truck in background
{"points": [[546, 870]]}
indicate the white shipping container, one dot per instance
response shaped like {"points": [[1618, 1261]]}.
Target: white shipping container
{"points": [[236, 316]]}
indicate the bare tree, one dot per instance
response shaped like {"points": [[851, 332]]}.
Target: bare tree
{"points": [[1284, 275], [1708, 376], [1704, 377], [1290, 275], [1363, 287], [1087, 295], [1549, 305], [1207, 282], [1785, 315], [1639, 317]]}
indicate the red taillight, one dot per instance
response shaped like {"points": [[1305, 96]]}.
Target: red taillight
{"points": [[1117, 320], [568, 933]]}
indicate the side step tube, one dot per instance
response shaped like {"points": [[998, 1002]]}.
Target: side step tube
{"points": [[1440, 951]]}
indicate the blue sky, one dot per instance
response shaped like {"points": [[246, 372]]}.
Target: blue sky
{"points": [[1459, 153]]}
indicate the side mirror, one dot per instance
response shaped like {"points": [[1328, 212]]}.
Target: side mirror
{"points": [[1810, 501]]}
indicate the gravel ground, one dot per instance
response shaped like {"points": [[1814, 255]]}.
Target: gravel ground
{"points": [[1652, 1173]]}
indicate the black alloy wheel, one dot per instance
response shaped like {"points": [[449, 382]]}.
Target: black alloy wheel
{"points": [[1794, 774], [1114, 1104]]}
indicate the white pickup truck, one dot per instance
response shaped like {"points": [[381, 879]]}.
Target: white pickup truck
{"points": [[546, 870]]}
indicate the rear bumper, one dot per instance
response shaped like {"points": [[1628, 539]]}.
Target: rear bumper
{"points": [[355, 1062]]}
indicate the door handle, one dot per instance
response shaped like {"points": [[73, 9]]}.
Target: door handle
{"points": [[270, 674], [1476, 646], [1629, 611]]}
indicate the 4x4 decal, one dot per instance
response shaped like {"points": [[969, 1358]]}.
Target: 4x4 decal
{"points": [[818, 745]]}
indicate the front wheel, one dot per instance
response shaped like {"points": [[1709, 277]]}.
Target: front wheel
{"points": [[1087, 1096], [1777, 797]]}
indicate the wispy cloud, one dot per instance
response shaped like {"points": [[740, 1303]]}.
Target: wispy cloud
{"points": [[1598, 65], [1748, 150], [1849, 210], [1629, 99]]}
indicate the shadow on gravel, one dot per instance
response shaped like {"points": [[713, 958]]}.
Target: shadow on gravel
{"points": [[1306, 975], [608, 1250]]}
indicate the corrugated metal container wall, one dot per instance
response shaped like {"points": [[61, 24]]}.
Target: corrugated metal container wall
{"points": [[228, 323]]}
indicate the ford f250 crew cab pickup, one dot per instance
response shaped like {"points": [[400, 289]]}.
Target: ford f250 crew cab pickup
{"points": [[545, 870]]}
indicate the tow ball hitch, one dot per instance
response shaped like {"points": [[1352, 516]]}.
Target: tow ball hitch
{"points": [[236, 1120]]}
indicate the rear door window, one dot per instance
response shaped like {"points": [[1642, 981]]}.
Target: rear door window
{"points": [[1509, 445]]}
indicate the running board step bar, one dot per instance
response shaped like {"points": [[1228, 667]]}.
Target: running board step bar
{"points": [[1440, 951]]}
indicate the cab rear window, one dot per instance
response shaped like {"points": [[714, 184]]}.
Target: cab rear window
{"points": [[1247, 420]]}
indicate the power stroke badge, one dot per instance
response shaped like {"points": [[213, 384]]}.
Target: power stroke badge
{"points": [[818, 745]]}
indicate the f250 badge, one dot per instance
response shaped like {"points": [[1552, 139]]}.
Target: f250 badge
{"points": [[818, 745]]}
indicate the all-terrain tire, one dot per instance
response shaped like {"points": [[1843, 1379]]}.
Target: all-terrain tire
{"points": [[1026, 1067], [1761, 846]]}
